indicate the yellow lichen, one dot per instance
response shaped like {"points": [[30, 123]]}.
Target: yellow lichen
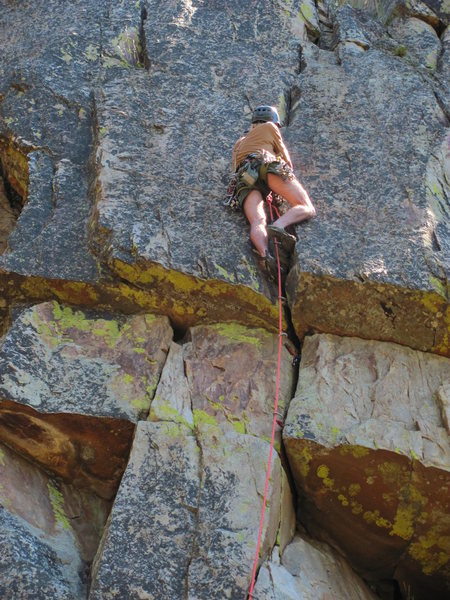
{"points": [[201, 417], [342, 499], [375, 517], [303, 458], [354, 489], [431, 550], [164, 412], [57, 502], [239, 333]]}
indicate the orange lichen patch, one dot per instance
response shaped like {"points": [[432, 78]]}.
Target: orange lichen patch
{"points": [[360, 496], [189, 300], [416, 318], [15, 168], [89, 452]]}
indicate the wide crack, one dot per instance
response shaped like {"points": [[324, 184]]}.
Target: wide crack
{"points": [[13, 190]]}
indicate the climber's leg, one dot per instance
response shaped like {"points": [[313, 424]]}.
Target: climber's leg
{"points": [[254, 211]]}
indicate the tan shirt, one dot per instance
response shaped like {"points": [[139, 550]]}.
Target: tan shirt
{"points": [[264, 136]]}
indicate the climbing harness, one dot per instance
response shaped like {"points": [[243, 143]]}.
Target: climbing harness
{"points": [[276, 414], [251, 174]]}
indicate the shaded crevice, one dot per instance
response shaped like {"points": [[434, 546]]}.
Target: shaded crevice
{"points": [[196, 511], [291, 98], [143, 58], [435, 242], [181, 335], [13, 189], [325, 40], [301, 61]]}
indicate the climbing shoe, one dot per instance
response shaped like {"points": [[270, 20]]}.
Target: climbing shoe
{"points": [[286, 240], [285, 257], [271, 268]]}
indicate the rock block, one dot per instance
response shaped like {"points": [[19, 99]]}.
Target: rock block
{"points": [[148, 541], [309, 570], [370, 456], [59, 359], [73, 383], [209, 423], [49, 533], [167, 234], [184, 522], [374, 263], [89, 131], [226, 374]]}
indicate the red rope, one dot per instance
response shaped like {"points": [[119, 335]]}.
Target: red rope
{"points": [[274, 421]]}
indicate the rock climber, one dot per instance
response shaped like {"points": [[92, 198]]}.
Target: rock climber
{"points": [[261, 164]]}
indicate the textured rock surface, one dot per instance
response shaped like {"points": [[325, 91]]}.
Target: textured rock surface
{"points": [[196, 476], [375, 263], [309, 570], [48, 536], [370, 455], [147, 238], [8, 218], [90, 116], [419, 39], [184, 523], [226, 374], [432, 11], [58, 359], [71, 385], [117, 121]]}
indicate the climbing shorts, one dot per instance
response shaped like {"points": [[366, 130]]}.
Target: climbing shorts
{"points": [[251, 174]]}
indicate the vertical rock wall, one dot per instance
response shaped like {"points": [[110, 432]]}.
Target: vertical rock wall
{"points": [[138, 357]]}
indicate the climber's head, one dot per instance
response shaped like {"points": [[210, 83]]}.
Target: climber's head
{"points": [[263, 114]]}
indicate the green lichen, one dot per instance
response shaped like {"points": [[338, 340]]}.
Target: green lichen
{"points": [[92, 52], [306, 11], [57, 502], [66, 56], [66, 318], [141, 403], [108, 330], [239, 426], [400, 51], [201, 417], [239, 333], [224, 273], [2, 457], [165, 412], [438, 285], [171, 430], [430, 61]]}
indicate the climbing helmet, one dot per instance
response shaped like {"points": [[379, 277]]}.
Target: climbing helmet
{"points": [[266, 113]]}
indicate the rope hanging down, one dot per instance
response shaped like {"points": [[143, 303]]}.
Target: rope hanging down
{"points": [[274, 421]]}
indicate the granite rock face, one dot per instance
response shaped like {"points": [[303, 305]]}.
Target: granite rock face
{"points": [[90, 128], [72, 383], [131, 300], [309, 570], [49, 533], [59, 359], [370, 454], [375, 263], [187, 511]]}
